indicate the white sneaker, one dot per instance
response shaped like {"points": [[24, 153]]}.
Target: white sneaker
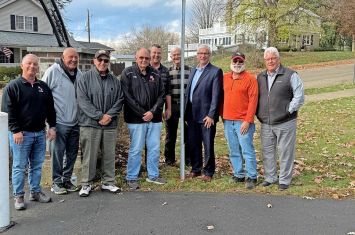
{"points": [[85, 191], [110, 187]]}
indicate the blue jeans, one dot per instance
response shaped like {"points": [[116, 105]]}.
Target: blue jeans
{"points": [[64, 147], [241, 147], [140, 134], [32, 152]]}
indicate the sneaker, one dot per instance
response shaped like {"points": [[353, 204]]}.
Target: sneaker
{"points": [[157, 180], [266, 184], [111, 188], [283, 187], [133, 184], [250, 184], [85, 191], [20, 203], [70, 187], [39, 197], [58, 189], [238, 180]]}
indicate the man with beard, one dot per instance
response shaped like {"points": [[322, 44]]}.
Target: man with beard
{"points": [[239, 107]]}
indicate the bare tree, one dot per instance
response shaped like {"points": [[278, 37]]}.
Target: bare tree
{"points": [[145, 37], [203, 13]]}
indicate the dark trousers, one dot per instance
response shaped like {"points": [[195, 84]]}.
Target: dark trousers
{"points": [[64, 151], [171, 126], [198, 134]]}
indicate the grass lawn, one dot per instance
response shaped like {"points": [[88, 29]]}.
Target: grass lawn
{"points": [[325, 158], [288, 58]]}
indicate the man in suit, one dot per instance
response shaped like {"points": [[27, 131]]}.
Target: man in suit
{"points": [[204, 92]]}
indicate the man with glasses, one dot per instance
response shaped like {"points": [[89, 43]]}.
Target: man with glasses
{"points": [[239, 105], [204, 93], [100, 99], [144, 100], [281, 94]]}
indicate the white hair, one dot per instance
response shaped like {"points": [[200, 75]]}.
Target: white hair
{"points": [[204, 46], [272, 50], [174, 49]]}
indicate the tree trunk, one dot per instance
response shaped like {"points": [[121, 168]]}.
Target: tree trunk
{"points": [[353, 44], [273, 34]]}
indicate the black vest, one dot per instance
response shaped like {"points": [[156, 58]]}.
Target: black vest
{"points": [[273, 105]]}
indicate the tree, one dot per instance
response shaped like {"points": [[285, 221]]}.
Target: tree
{"points": [[61, 3], [280, 17], [343, 11], [202, 15], [146, 37]]}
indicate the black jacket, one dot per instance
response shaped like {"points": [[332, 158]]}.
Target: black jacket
{"points": [[28, 106], [142, 94]]}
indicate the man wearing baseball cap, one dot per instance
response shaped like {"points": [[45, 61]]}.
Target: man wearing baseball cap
{"points": [[239, 107], [100, 99]]}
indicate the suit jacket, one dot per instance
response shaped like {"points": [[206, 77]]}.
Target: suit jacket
{"points": [[207, 94]]}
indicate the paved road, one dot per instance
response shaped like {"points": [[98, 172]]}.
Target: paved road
{"points": [[327, 76], [185, 213]]}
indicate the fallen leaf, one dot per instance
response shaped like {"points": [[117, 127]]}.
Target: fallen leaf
{"points": [[269, 205], [318, 179], [210, 227], [60, 201], [352, 183], [164, 204], [308, 198], [335, 196]]}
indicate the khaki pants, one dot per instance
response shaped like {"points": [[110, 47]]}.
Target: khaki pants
{"points": [[93, 141]]}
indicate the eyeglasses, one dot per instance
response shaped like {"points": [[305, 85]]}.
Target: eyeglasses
{"points": [[104, 60], [201, 53], [271, 59], [238, 61], [143, 58]]}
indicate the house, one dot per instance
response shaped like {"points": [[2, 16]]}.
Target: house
{"points": [[25, 28], [221, 36]]}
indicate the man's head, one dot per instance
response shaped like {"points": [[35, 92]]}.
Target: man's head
{"points": [[142, 58], [203, 55], [29, 66], [175, 55], [70, 58], [102, 60], [272, 59], [155, 54], [237, 62]]}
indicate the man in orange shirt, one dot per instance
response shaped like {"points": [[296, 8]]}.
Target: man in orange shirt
{"points": [[239, 107]]}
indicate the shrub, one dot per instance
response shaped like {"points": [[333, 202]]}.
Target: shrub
{"points": [[9, 73]]}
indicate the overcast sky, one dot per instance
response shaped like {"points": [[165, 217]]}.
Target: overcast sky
{"points": [[110, 19]]}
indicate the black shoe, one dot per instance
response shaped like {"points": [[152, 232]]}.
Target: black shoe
{"points": [[266, 184], [283, 187], [250, 184], [238, 180]]}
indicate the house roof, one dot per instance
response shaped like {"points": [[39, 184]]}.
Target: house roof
{"points": [[4, 3], [95, 46], [20, 39], [121, 56]]}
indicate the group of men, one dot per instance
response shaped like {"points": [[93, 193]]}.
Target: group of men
{"points": [[84, 107]]}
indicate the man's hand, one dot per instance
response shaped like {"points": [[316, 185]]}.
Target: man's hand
{"points": [[105, 120], [208, 122], [51, 134], [244, 128], [148, 116], [18, 137], [167, 114]]}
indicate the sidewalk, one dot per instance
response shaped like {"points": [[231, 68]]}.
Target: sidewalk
{"points": [[185, 213], [330, 95]]}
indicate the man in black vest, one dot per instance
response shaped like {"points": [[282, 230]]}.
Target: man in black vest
{"points": [[281, 94]]}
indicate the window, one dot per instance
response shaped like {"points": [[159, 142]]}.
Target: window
{"points": [[24, 23], [307, 40]]}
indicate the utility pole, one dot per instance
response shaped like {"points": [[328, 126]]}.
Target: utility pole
{"points": [[88, 25]]}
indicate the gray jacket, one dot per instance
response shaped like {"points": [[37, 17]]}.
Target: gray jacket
{"points": [[63, 91], [97, 96]]}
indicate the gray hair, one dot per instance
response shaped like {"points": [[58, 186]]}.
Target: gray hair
{"points": [[272, 50], [175, 48], [204, 46]]}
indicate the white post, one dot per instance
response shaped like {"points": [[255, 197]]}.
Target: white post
{"points": [[4, 172]]}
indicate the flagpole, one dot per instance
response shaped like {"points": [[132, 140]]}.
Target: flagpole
{"points": [[182, 78]]}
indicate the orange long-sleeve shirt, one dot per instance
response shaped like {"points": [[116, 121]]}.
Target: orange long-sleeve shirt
{"points": [[240, 97]]}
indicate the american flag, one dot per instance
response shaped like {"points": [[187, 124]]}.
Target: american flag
{"points": [[6, 51]]}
